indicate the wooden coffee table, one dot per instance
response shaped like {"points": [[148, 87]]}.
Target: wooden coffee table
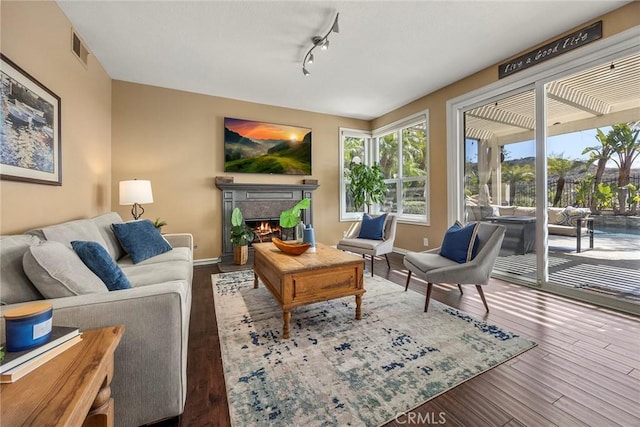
{"points": [[308, 278]]}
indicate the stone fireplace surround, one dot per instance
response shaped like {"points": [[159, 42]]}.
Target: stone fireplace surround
{"points": [[260, 202]]}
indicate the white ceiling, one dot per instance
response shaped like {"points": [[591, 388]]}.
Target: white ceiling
{"points": [[387, 54]]}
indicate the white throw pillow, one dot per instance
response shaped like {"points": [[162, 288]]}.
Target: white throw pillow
{"points": [[57, 271]]}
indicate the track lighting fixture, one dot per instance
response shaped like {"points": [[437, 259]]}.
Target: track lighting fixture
{"points": [[322, 43]]}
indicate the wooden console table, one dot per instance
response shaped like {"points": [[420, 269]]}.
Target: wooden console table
{"points": [[72, 389]]}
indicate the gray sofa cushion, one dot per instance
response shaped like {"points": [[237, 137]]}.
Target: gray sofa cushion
{"points": [[143, 275], [104, 222], [82, 229], [15, 286], [57, 271]]}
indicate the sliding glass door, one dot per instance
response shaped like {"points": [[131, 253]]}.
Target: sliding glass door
{"points": [[499, 177], [558, 163]]}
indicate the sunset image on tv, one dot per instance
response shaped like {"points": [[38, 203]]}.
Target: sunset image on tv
{"points": [[257, 147]]}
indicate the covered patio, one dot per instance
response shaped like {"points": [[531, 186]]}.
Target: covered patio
{"points": [[611, 268]]}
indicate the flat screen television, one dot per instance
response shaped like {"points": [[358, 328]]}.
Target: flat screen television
{"points": [[258, 147]]}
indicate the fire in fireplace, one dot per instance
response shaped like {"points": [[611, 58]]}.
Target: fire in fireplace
{"points": [[264, 230]]}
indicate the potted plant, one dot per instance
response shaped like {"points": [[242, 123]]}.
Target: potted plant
{"points": [[366, 185], [159, 223], [241, 236], [291, 217]]}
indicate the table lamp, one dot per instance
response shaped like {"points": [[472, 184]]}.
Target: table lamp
{"points": [[135, 192]]}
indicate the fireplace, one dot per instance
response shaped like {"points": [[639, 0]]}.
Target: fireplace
{"points": [[265, 230], [261, 203]]}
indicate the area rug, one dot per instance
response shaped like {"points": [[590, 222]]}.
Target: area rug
{"points": [[338, 371]]}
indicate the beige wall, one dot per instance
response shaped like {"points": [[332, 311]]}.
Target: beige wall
{"points": [[410, 236], [175, 139], [37, 37]]}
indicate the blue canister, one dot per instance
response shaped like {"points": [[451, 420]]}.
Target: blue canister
{"points": [[28, 326], [309, 237]]}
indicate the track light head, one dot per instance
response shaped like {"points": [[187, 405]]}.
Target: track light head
{"points": [[321, 42]]}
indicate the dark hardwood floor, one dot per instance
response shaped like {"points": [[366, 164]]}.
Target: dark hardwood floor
{"points": [[584, 371]]}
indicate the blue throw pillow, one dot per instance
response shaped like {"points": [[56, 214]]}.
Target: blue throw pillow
{"points": [[140, 239], [460, 242], [371, 227], [94, 256]]}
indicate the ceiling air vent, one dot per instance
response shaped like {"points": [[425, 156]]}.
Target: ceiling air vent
{"points": [[79, 49]]}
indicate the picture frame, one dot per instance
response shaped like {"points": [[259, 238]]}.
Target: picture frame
{"points": [[266, 148], [30, 139]]}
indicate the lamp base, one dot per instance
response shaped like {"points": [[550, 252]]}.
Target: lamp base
{"points": [[134, 211]]}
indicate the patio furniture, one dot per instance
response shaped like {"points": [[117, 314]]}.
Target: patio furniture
{"points": [[568, 221], [434, 268], [520, 235], [353, 243]]}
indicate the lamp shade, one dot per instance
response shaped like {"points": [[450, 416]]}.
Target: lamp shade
{"points": [[135, 191]]}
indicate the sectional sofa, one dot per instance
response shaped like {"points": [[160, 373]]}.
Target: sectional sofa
{"points": [[149, 381], [568, 221]]}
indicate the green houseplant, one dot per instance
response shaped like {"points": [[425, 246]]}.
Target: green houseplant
{"points": [[366, 185], [241, 236], [159, 223], [291, 217]]}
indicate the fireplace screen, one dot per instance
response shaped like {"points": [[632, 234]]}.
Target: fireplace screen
{"points": [[266, 229]]}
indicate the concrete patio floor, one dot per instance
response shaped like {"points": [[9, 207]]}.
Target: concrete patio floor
{"points": [[612, 267]]}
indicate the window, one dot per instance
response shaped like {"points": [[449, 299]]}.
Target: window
{"points": [[352, 144], [401, 151]]}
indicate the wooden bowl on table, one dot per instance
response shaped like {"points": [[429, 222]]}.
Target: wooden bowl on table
{"points": [[290, 248]]}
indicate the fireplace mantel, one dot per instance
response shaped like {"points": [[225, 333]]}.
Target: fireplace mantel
{"points": [[258, 202]]}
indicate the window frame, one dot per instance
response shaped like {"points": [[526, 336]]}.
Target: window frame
{"points": [[372, 155]]}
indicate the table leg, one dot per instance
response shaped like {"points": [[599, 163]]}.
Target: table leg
{"points": [[255, 280], [358, 307], [286, 316], [579, 237], [101, 413]]}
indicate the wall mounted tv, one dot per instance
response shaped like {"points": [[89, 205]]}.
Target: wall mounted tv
{"points": [[258, 147]]}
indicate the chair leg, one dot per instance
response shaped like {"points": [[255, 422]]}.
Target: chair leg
{"points": [[460, 287], [372, 257], [426, 303], [408, 279], [387, 258], [484, 301]]}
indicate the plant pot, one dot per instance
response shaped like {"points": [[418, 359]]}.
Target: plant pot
{"points": [[240, 254]]}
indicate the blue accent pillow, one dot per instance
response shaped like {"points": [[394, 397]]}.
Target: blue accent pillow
{"points": [[372, 227], [94, 256], [140, 239], [460, 242]]}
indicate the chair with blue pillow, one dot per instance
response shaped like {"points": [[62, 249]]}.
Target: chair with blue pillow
{"points": [[466, 257], [373, 235]]}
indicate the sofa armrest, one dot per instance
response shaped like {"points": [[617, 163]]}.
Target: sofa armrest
{"points": [[184, 240], [150, 361]]}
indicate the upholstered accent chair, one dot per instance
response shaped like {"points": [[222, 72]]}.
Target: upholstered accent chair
{"points": [[372, 247], [435, 268]]}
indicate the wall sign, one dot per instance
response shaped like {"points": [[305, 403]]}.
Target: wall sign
{"points": [[551, 50]]}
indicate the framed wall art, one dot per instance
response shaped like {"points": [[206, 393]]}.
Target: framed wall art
{"points": [[30, 136], [259, 147]]}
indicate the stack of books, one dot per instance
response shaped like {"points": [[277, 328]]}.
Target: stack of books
{"points": [[17, 364]]}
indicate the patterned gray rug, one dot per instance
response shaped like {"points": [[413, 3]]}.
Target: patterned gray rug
{"points": [[338, 371]]}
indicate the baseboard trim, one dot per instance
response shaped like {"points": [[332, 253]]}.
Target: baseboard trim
{"points": [[206, 261]]}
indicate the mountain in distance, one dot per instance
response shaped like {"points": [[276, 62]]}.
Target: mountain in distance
{"points": [[274, 156]]}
